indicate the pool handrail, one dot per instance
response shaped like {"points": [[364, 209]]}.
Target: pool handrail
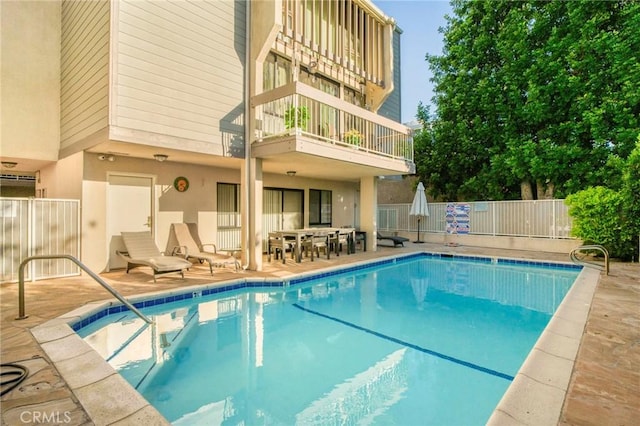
{"points": [[604, 251], [21, 303]]}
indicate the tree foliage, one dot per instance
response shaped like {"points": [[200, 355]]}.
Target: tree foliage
{"points": [[534, 99]]}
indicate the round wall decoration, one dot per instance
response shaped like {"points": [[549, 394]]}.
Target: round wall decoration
{"points": [[181, 184]]}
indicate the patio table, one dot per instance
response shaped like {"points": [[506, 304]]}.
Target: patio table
{"points": [[300, 234]]}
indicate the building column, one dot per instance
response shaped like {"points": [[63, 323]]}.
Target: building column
{"points": [[369, 209], [252, 212]]}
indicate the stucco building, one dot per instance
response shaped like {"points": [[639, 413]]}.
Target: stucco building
{"points": [[244, 117]]}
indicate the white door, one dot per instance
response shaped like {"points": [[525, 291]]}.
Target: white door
{"points": [[129, 209]]}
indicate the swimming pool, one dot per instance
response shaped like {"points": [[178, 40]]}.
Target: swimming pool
{"points": [[391, 343]]}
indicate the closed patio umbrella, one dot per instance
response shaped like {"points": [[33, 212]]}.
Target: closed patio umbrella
{"points": [[419, 207]]}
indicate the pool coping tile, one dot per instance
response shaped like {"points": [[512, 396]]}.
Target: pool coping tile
{"points": [[106, 407], [529, 402], [558, 345], [51, 331], [556, 371], [65, 348], [84, 369]]}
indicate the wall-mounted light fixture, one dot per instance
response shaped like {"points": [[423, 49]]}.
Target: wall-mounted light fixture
{"points": [[106, 157], [313, 66], [160, 157], [9, 164], [291, 173]]}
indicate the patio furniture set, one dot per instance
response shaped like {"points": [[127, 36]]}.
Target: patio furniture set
{"points": [[310, 242]]}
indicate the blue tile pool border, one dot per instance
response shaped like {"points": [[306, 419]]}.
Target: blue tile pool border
{"points": [[115, 307]]}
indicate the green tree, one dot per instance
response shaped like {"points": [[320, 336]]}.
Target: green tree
{"points": [[534, 99], [454, 155]]}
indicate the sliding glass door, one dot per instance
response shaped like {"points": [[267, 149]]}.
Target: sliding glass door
{"points": [[282, 209]]}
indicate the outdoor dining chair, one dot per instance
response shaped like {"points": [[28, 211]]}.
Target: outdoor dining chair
{"points": [[278, 246]]}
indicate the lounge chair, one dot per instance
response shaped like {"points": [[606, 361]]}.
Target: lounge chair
{"points": [[141, 250], [397, 241], [186, 243]]}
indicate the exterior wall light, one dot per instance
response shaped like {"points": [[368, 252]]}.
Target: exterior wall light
{"points": [[291, 173], [9, 164], [313, 67], [160, 157], [107, 157]]}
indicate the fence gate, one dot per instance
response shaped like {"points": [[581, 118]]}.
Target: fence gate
{"points": [[37, 227]]}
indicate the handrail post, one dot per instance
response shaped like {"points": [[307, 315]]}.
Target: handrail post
{"points": [[21, 313], [592, 247], [21, 302]]}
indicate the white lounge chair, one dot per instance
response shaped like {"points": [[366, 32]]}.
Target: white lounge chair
{"points": [[141, 250], [185, 241]]}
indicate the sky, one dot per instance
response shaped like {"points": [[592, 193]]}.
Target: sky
{"points": [[419, 21]]}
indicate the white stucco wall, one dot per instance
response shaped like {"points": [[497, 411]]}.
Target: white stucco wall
{"points": [[30, 79], [198, 204], [62, 179]]}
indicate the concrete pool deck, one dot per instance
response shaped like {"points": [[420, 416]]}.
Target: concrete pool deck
{"points": [[602, 387]]}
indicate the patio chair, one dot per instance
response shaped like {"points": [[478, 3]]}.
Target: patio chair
{"points": [[397, 241], [342, 239], [185, 242], [278, 245], [315, 242], [141, 250]]}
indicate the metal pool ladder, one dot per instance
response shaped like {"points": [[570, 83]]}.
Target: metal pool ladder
{"points": [[576, 259], [21, 308]]}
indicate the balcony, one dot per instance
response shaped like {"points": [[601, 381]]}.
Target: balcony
{"points": [[299, 124]]}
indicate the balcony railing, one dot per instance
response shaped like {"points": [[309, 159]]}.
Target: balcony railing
{"points": [[300, 110]]}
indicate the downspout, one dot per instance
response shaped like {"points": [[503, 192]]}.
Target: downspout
{"points": [[247, 136]]}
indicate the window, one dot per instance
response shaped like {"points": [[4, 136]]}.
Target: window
{"points": [[319, 207], [353, 97], [228, 205], [276, 72], [229, 225]]}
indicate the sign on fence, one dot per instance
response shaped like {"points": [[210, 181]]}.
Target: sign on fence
{"points": [[457, 218]]}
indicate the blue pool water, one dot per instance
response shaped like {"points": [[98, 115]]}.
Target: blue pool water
{"points": [[424, 340]]}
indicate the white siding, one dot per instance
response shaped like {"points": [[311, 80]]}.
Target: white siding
{"points": [[179, 69], [84, 100]]}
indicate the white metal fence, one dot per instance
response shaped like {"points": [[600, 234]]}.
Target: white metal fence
{"points": [[38, 227], [537, 218]]}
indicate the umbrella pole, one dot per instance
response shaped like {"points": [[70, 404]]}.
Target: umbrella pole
{"points": [[418, 240]]}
